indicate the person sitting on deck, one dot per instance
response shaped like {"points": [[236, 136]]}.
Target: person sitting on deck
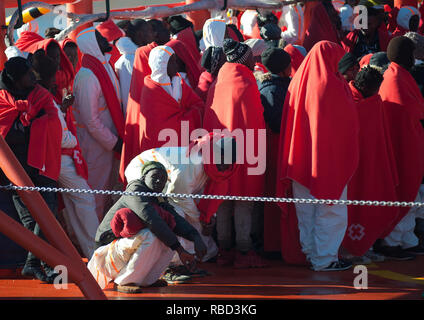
{"points": [[138, 236], [192, 170]]}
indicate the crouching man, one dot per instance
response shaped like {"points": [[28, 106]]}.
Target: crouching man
{"points": [[138, 236]]}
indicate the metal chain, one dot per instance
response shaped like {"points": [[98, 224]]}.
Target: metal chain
{"points": [[218, 197]]}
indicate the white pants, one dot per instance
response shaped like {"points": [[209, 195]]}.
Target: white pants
{"points": [[321, 227], [212, 248], [419, 211], [138, 260], [80, 208], [403, 234]]}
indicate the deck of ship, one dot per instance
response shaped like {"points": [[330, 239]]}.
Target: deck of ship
{"points": [[389, 280]]}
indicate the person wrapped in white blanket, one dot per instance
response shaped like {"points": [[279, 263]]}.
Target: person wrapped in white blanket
{"points": [[292, 18], [138, 236], [80, 210], [192, 171]]}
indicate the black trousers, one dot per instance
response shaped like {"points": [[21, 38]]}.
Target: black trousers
{"points": [[25, 215]]}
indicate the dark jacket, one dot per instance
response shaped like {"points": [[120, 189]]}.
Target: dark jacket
{"points": [[18, 138], [143, 208], [273, 91]]}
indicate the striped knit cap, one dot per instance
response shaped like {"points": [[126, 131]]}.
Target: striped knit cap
{"points": [[236, 52]]}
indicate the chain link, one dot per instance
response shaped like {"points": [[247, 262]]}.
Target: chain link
{"points": [[218, 197]]}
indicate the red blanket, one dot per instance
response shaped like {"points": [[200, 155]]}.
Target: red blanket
{"points": [[320, 28], [132, 136], [189, 40], [112, 100], [158, 110], [31, 42], [45, 133], [63, 44], [296, 58], [192, 65], [403, 107], [126, 224], [205, 81], [374, 179], [217, 183], [316, 137], [237, 105], [75, 153]]}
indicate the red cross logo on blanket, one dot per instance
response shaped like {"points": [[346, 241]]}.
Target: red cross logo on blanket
{"points": [[356, 231]]}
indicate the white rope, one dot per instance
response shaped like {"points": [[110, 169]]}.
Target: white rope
{"points": [[217, 197]]}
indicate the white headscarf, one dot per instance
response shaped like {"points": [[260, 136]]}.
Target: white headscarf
{"points": [[248, 21], [214, 32], [405, 14], [87, 43], [257, 45], [158, 62]]}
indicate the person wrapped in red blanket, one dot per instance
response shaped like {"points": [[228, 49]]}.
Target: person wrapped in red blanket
{"points": [[80, 218], [375, 38], [321, 23], [141, 69], [182, 29], [236, 107], [167, 103], [375, 179], [31, 42], [30, 125], [318, 154], [403, 108]]}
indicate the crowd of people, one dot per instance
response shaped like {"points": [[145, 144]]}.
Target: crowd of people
{"points": [[295, 103]]}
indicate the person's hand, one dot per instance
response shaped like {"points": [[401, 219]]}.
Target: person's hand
{"points": [[187, 259], [207, 228], [200, 248], [118, 146], [67, 102]]}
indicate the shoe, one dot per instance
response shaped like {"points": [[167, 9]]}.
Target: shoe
{"points": [[128, 288], [375, 257], [356, 259], [395, 253], [417, 250], [340, 265], [225, 257], [172, 277], [249, 260], [50, 273], [184, 271], [363, 260], [34, 271]]}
